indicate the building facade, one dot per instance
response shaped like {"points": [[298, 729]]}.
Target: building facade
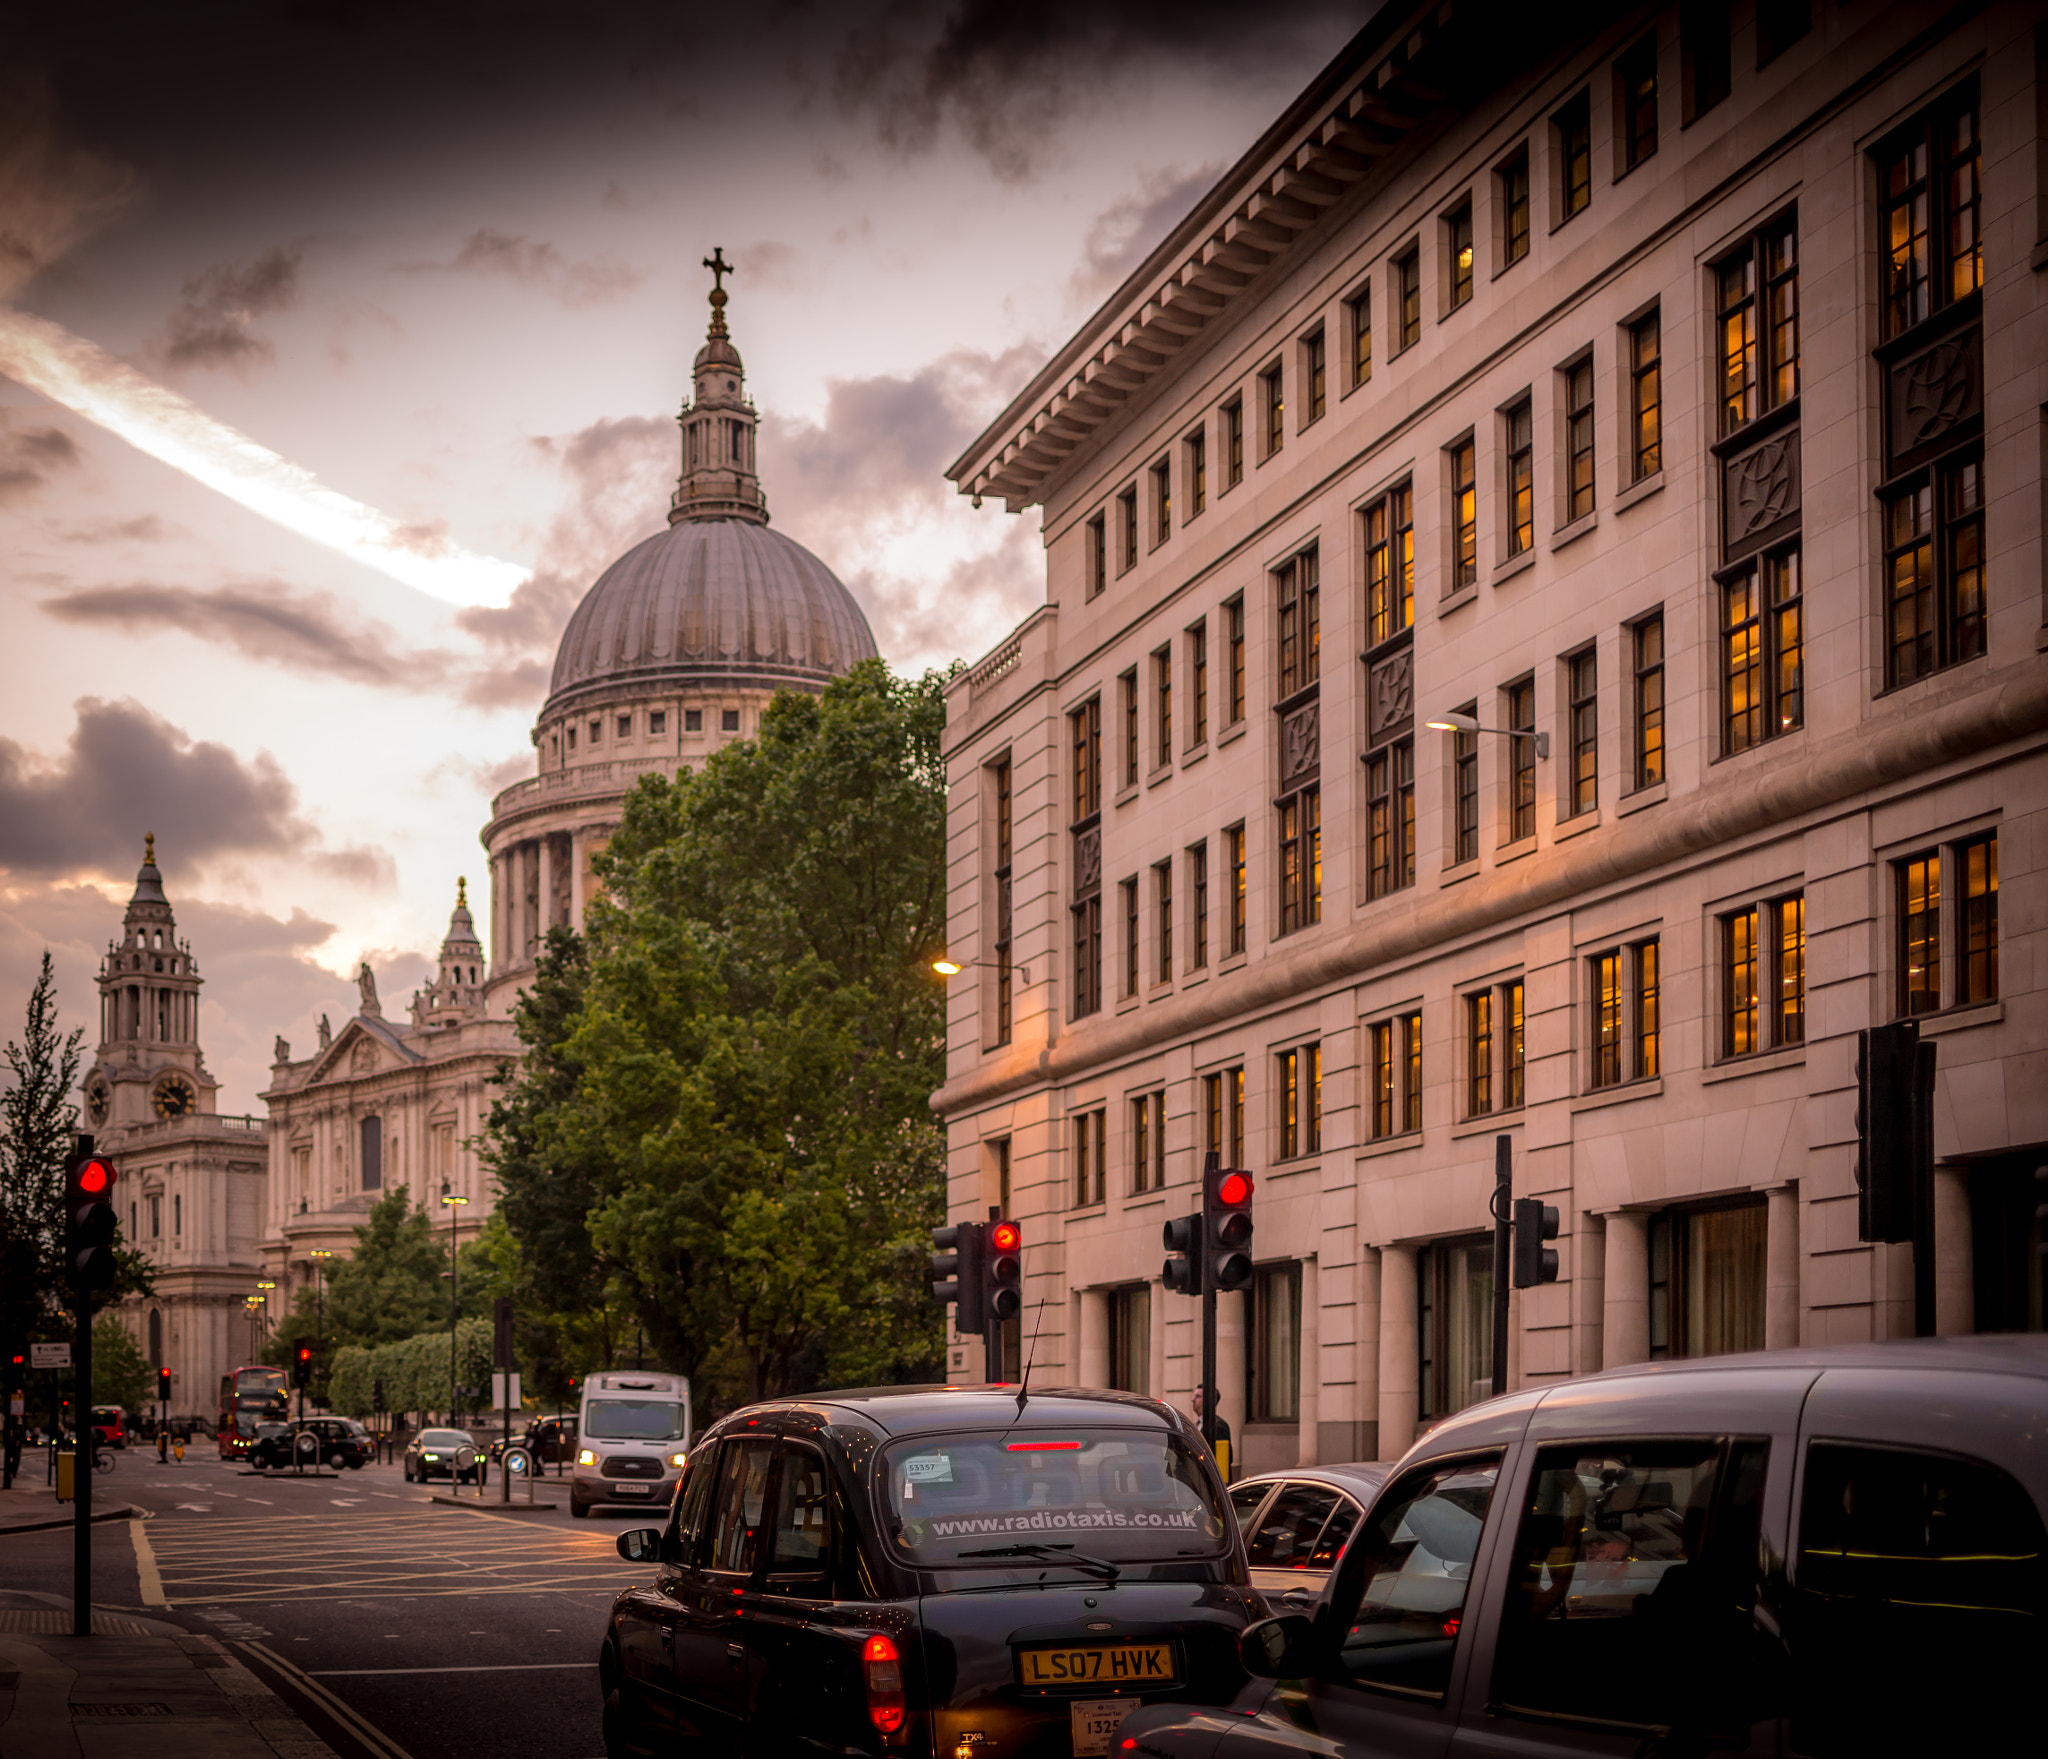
{"points": [[1656, 404], [673, 653], [191, 1177]]}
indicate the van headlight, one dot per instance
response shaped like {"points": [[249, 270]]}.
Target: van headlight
{"points": [[586, 1457], [676, 1459]]}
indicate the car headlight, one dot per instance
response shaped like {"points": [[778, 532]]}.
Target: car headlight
{"points": [[677, 1459], [434, 1457], [586, 1457]]}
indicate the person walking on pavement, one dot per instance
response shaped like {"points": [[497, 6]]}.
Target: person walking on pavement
{"points": [[1222, 1431]]}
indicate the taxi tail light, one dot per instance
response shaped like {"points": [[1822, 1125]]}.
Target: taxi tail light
{"points": [[883, 1669]]}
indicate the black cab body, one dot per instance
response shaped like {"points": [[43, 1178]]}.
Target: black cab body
{"points": [[919, 1570], [1824, 1552]]}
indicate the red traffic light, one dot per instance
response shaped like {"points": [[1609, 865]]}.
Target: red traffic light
{"points": [[96, 1177], [1006, 1236], [1234, 1187], [305, 1352]]}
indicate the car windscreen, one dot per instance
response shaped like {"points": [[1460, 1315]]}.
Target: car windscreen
{"points": [[1124, 1495], [634, 1420], [444, 1438]]}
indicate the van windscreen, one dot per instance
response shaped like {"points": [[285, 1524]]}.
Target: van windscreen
{"points": [[1126, 1496], [634, 1420]]}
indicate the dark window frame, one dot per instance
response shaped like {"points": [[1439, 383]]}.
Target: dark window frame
{"points": [[1646, 395], [1762, 643], [1518, 461], [1646, 650]]}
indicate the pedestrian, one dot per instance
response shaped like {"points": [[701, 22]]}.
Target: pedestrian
{"points": [[1222, 1431], [163, 1443]]}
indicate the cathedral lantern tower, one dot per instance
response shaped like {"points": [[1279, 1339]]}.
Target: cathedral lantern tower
{"points": [[149, 1068], [455, 992]]}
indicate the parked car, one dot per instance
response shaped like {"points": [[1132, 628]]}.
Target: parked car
{"points": [[432, 1454], [1296, 1522], [922, 1569], [337, 1443], [548, 1439], [1818, 1552]]}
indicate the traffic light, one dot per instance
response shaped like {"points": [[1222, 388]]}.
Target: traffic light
{"points": [[1227, 1215], [1182, 1272], [1535, 1262], [302, 1363], [89, 1220], [1887, 1133], [501, 1332], [1003, 1270], [163, 1386], [377, 1397], [956, 1274]]}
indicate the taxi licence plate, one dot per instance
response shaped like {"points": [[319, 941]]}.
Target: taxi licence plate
{"points": [[1097, 1664]]}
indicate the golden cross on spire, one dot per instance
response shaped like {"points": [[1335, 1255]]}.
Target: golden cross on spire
{"points": [[719, 268], [462, 893], [149, 848]]}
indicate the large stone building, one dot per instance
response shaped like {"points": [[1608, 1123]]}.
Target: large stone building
{"points": [[191, 1177], [673, 653], [1658, 393]]}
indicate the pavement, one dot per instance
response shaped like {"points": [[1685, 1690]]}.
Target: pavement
{"points": [[337, 1614]]}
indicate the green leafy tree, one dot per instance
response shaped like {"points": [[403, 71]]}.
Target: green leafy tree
{"points": [[121, 1374], [736, 1102], [394, 1283]]}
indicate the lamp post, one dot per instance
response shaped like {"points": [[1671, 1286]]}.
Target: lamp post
{"points": [[319, 1255], [452, 1201], [263, 1287], [953, 968], [253, 1305], [1453, 722]]}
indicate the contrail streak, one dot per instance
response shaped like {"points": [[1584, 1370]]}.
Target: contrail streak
{"points": [[86, 379]]}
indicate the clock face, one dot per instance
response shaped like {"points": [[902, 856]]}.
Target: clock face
{"points": [[175, 1098], [97, 1101]]}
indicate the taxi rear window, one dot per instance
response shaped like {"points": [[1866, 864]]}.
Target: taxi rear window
{"points": [[1030, 1495]]}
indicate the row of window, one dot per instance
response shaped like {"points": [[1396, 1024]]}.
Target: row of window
{"points": [[657, 725]]}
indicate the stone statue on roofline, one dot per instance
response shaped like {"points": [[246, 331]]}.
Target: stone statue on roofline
{"points": [[366, 987], [326, 1033]]}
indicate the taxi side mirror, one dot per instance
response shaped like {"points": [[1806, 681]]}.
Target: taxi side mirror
{"points": [[640, 1545], [1279, 1649]]}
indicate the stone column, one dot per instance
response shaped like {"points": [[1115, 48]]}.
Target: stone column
{"points": [[544, 853], [1400, 1392], [1310, 1411], [1625, 1311], [499, 891], [1955, 1280], [576, 860], [1781, 1268]]}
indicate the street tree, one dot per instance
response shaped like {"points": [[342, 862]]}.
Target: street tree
{"points": [[121, 1374]]}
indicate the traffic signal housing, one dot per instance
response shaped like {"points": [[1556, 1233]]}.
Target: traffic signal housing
{"points": [[1227, 1223], [1894, 1128], [1535, 1262], [377, 1398], [957, 1274], [90, 1223], [1003, 1270], [302, 1363], [163, 1386], [1182, 1272]]}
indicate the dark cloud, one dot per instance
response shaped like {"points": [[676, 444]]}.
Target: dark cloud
{"points": [[29, 457], [216, 323], [52, 191], [1006, 76], [125, 771], [534, 262], [265, 620], [1126, 231]]}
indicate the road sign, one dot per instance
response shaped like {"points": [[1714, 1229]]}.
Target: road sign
{"points": [[49, 1355], [498, 1400], [15, 1407]]}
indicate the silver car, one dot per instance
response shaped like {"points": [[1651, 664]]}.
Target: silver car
{"points": [[1814, 1552], [1295, 1524]]}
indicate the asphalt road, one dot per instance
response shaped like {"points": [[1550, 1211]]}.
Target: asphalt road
{"points": [[396, 1626]]}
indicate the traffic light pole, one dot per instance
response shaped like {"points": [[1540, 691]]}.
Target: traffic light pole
{"points": [[1503, 1208], [992, 1363], [1210, 1391], [82, 1456]]}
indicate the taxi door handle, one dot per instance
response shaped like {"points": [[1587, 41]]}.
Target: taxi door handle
{"points": [[735, 1653]]}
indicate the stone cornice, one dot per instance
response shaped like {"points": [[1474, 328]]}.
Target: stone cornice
{"points": [[1909, 734], [1356, 114]]}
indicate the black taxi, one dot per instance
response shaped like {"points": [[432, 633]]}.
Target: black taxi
{"points": [[929, 1571]]}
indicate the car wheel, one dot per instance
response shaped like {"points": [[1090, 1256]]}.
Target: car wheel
{"points": [[579, 1508], [336, 1459], [617, 1722]]}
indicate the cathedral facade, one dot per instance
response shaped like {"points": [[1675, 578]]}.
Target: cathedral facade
{"points": [[192, 1178], [675, 651]]}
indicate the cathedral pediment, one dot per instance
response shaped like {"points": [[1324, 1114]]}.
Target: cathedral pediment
{"points": [[367, 1045]]}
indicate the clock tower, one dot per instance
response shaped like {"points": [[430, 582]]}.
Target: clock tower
{"points": [[149, 1068], [190, 1197]]}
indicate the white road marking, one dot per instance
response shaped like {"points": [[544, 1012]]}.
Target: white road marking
{"points": [[198, 1508]]}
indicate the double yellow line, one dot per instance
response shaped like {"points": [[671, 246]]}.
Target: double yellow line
{"points": [[370, 1739]]}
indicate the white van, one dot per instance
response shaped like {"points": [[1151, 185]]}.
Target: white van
{"points": [[633, 1428]]}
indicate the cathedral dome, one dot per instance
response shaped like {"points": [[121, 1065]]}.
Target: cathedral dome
{"points": [[711, 602]]}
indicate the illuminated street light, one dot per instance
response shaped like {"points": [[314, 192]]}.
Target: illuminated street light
{"points": [[1452, 722]]}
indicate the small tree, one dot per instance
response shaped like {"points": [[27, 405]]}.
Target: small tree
{"points": [[37, 1123], [121, 1374]]}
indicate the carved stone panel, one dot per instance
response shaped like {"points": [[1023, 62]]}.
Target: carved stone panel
{"points": [[1301, 745], [1390, 697], [1760, 493], [1088, 862], [1933, 398]]}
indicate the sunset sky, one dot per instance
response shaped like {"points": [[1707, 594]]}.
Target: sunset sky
{"points": [[341, 347]]}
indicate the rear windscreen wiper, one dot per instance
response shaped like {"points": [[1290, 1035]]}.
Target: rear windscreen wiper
{"points": [[1058, 1554]]}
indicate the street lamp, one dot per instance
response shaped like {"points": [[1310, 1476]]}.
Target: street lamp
{"points": [[319, 1256], [253, 1305], [1453, 722], [953, 968], [452, 1201], [263, 1287]]}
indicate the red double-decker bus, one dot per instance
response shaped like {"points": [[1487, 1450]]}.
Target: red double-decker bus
{"points": [[249, 1396]]}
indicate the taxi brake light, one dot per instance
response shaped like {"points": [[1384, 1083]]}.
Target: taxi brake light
{"points": [[1041, 1447], [884, 1670]]}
